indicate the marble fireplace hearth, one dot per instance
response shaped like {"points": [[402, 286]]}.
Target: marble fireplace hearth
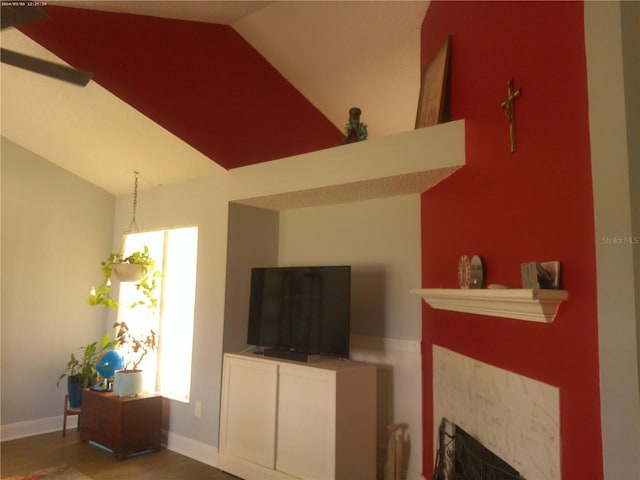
{"points": [[515, 417]]}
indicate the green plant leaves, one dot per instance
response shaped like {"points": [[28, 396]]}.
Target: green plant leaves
{"points": [[85, 367]]}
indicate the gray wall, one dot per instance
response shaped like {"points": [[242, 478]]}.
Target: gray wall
{"points": [[202, 203], [252, 242], [380, 239], [56, 229]]}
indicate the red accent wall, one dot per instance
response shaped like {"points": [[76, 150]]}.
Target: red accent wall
{"points": [[535, 204], [202, 82]]}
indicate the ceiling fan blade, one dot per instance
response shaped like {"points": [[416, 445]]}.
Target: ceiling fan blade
{"points": [[45, 67], [16, 15]]}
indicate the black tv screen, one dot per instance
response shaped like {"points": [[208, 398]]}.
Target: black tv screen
{"points": [[300, 310]]}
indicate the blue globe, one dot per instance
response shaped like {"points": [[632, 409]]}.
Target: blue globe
{"points": [[109, 363]]}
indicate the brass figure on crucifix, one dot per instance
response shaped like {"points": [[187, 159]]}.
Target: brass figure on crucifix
{"points": [[508, 104]]}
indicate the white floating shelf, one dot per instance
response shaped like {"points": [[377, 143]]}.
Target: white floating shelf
{"points": [[519, 304], [400, 164]]}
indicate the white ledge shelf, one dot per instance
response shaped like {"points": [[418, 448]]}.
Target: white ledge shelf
{"points": [[519, 304], [404, 163]]}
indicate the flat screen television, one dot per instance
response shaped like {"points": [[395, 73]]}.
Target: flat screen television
{"points": [[300, 312]]}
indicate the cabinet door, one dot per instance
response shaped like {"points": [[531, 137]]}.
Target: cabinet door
{"points": [[306, 422], [248, 410], [141, 424]]}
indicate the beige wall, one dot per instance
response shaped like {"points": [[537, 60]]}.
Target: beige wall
{"points": [[612, 186], [630, 13]]}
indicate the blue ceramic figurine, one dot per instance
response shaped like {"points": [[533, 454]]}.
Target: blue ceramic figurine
{"points": [[354, 130]]}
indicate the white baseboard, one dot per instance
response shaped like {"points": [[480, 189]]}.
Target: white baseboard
{"points": [[202, 452], [188, 447], [30, 428]]}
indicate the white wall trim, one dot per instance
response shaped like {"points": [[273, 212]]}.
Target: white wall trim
{"points": [[36, 427], [399, 392], [202, 452], [363, 342]]}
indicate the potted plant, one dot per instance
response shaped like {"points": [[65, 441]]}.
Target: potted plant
{"points": [[139, 267], [129, 381], [81, 371]]}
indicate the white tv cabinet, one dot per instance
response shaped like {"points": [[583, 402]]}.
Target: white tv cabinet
{"points": [[284, 420]]}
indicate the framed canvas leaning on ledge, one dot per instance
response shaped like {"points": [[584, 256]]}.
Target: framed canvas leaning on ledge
{"points": [[434, 89]]}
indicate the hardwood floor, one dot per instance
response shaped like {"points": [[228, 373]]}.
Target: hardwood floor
{"points": [[25, 455]]}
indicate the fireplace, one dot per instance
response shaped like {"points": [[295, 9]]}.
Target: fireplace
{"points": [[514, 416], [462, 457]]}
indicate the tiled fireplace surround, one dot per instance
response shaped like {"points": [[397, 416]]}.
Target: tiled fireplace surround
{"points": [[515, 417]]}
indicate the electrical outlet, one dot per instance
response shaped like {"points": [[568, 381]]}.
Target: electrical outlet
{"points": [[198, 411]]}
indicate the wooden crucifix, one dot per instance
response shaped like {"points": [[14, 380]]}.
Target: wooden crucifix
{"points": [[509, 106]]}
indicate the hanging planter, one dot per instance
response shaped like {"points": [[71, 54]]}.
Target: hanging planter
{"points": [[138, 267], [128, 272], [133, 267]]}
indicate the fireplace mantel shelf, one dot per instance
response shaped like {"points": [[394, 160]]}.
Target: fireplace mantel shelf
{"points": [[520, 304]]}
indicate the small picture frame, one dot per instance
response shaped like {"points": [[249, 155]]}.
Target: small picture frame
{"points": [[432, 104]]}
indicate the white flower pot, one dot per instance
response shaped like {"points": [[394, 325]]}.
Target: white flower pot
{"points": [[128, 383], [128, 272]]}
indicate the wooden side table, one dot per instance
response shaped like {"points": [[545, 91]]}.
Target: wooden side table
{"points": [[124, 425], [68, 411]]}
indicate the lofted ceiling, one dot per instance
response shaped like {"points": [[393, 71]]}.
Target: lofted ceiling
{"points": [[189, 89]]}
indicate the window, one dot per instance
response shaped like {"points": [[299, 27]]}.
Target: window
{"points": [[175, 254]]}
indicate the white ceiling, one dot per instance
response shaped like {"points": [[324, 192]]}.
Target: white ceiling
{"points": [[355, 53]]}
